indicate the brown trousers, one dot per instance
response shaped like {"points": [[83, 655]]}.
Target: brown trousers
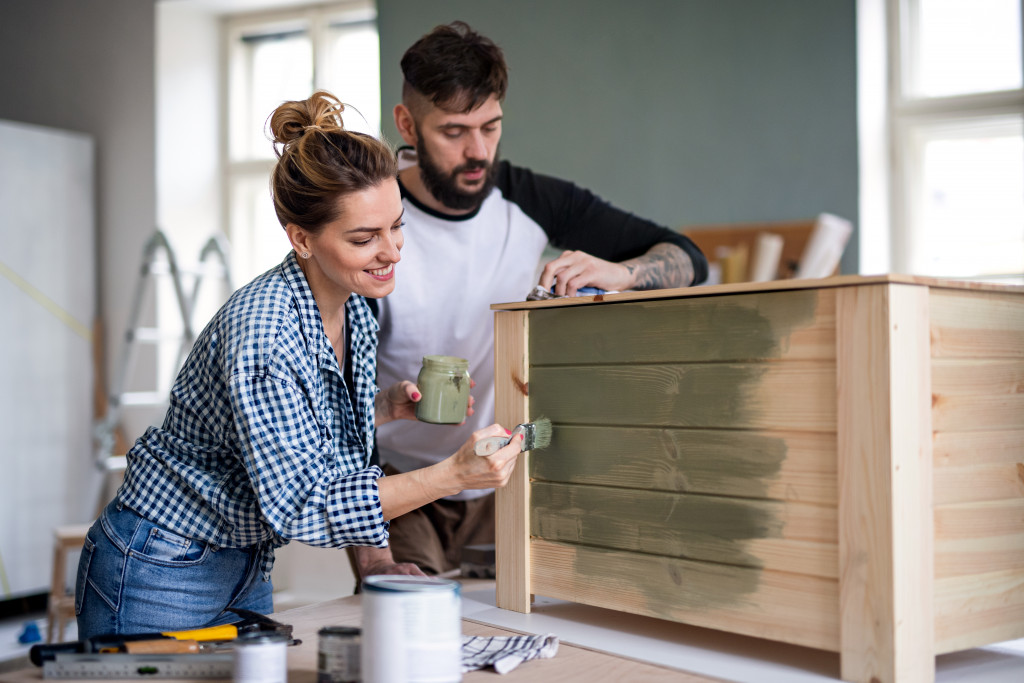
{"points": [[432, 537]]}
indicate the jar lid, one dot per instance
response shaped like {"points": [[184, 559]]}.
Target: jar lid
{"points": [[340, 631], [385, 583], [260, 638], [451, 361]]}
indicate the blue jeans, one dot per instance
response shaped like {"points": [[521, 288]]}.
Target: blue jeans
{"points": [[137, 577]]}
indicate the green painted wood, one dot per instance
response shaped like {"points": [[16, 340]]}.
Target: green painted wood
{"points": [[735, 328], [696, 527], [798, 395], [745, 464]]}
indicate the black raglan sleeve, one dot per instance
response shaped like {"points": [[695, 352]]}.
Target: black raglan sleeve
{"points": [[576, 218]]}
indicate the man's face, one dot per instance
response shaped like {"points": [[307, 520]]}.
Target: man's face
{"points": [[457, 153]]}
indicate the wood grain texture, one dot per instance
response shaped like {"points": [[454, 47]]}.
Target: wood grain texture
{"points": [[719, 395], [884, 434], [775, 325], [797, 466], [978, 466], [978, 609], [976, 325], [777, 605], [511, 379], [977, 395], [708, 528]]}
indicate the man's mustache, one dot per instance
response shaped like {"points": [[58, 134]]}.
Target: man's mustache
{"points": [[474, 165]]}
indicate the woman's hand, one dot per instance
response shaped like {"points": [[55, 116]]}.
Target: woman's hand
{"points": [[401, 493], [397, 402]]}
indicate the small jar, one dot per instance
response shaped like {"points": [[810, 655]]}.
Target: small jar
{"points": [[260, 658], [338, 656], [444, 388]]}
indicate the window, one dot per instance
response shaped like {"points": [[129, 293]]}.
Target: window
{"points": [[955, 117], [273, 58]]}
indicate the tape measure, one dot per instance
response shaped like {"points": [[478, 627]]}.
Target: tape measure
{"points": [[118, 665]]}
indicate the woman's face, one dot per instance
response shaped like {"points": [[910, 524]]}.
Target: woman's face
{"points": [[357, 252]]}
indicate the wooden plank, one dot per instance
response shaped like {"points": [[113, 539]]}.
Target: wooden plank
{"points": [[884, 435], [787, 607], [978, 609], [963, 556], [836, 282], [797, 395], [511, 379], [975, 520], [978, 466], [976, 324], [977, 395], [773, 325], [797, 537], [798, 466]]}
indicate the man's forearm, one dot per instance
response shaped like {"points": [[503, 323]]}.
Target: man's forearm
{"points": [[665, 265]]}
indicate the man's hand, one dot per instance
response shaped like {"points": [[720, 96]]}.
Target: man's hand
{"points": [[370, 561], [664, 265]]}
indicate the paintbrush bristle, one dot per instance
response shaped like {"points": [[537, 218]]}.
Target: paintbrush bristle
{"points": [[539, 434]]}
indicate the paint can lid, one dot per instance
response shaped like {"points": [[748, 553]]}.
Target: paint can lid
{"points": [[386, 583]]}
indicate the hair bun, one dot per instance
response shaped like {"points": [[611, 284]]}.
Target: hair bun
{"points": [[320, 112]]}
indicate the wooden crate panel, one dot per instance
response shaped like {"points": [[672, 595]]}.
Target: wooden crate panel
{"points": [[778, 605], [798, 395], [799, 324], [978, 609], [977, 395], [976, 325], [978, 466], [798, 466], [797, 537]]}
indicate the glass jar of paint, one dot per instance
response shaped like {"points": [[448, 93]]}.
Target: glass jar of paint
{"points": [[444, 386]]}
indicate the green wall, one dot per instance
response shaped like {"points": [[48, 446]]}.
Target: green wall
{"points": [[686, 111]]}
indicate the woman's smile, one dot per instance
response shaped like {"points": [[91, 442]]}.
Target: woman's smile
{"points": [[385, 273]]}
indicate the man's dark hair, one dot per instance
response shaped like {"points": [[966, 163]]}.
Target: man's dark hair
{"points": [[455, 68]]}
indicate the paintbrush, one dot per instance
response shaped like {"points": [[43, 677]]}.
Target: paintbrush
{"points": [[536, 434]]}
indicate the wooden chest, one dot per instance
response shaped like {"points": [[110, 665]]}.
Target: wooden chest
{"points": [[832, 463]]}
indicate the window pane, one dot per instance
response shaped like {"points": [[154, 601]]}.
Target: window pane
{"points": [[258, 242], [972, 218], [280, 68], [352, 73], [967, 46]]}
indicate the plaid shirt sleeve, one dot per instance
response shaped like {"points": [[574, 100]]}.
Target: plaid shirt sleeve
{"points": [[299, 479]]}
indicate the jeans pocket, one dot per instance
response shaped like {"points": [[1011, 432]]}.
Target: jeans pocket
{"points": [[168, 548], [83, 573]]}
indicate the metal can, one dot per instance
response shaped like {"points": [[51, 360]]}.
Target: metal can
{"points": [[412, 630], [338, 657], [261, 658], [444, 390]]}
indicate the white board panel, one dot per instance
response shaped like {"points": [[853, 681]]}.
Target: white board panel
{"points": [[47, 303]]}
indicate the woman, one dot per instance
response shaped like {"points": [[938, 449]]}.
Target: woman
{"points": [[271, 420]]}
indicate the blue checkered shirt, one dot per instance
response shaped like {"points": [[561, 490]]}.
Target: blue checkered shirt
{"points": [[262, 442]]}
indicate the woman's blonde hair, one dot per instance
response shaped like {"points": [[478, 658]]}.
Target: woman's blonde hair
{"points": [[318, 161]]}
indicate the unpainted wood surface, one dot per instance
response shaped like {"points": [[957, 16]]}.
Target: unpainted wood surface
{"points": [[511, 381], [796, 466], [707, 528], [885, 459], [774, 325], [978, 538], [976, 324], [978, 609], [767, 604], [798, 395], [977, 395], [978, 466]]}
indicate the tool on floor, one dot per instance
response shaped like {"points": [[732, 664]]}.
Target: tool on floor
{"points": [[536, 434], [125, 666], [167, 642]]}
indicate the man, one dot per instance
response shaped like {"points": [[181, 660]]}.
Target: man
{"points": [[475, 228]]}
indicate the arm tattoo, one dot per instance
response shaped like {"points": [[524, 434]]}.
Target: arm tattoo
{"points": [[664, 265]]}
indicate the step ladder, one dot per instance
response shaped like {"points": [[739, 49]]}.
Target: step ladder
{"points": [[158, 261]]}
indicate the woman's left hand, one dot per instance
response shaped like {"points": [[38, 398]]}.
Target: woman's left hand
{"points": [[397, 402]]}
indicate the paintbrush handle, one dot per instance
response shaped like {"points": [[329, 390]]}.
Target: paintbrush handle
{"points": [[491, 445]]}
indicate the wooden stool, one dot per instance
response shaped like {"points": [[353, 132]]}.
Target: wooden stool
{"points": [[61, 605]]}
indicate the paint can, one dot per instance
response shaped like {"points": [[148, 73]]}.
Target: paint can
{"points": [[261, 658], [412, 630], [338, 654]]}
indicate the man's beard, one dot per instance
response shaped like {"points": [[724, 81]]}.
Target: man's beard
{"points": [[444, 186]]}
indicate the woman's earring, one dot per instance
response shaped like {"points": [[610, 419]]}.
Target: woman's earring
{"points": [[305, 254]]}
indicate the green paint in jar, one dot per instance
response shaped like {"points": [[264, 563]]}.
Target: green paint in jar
{"points": [[444, 385]]}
